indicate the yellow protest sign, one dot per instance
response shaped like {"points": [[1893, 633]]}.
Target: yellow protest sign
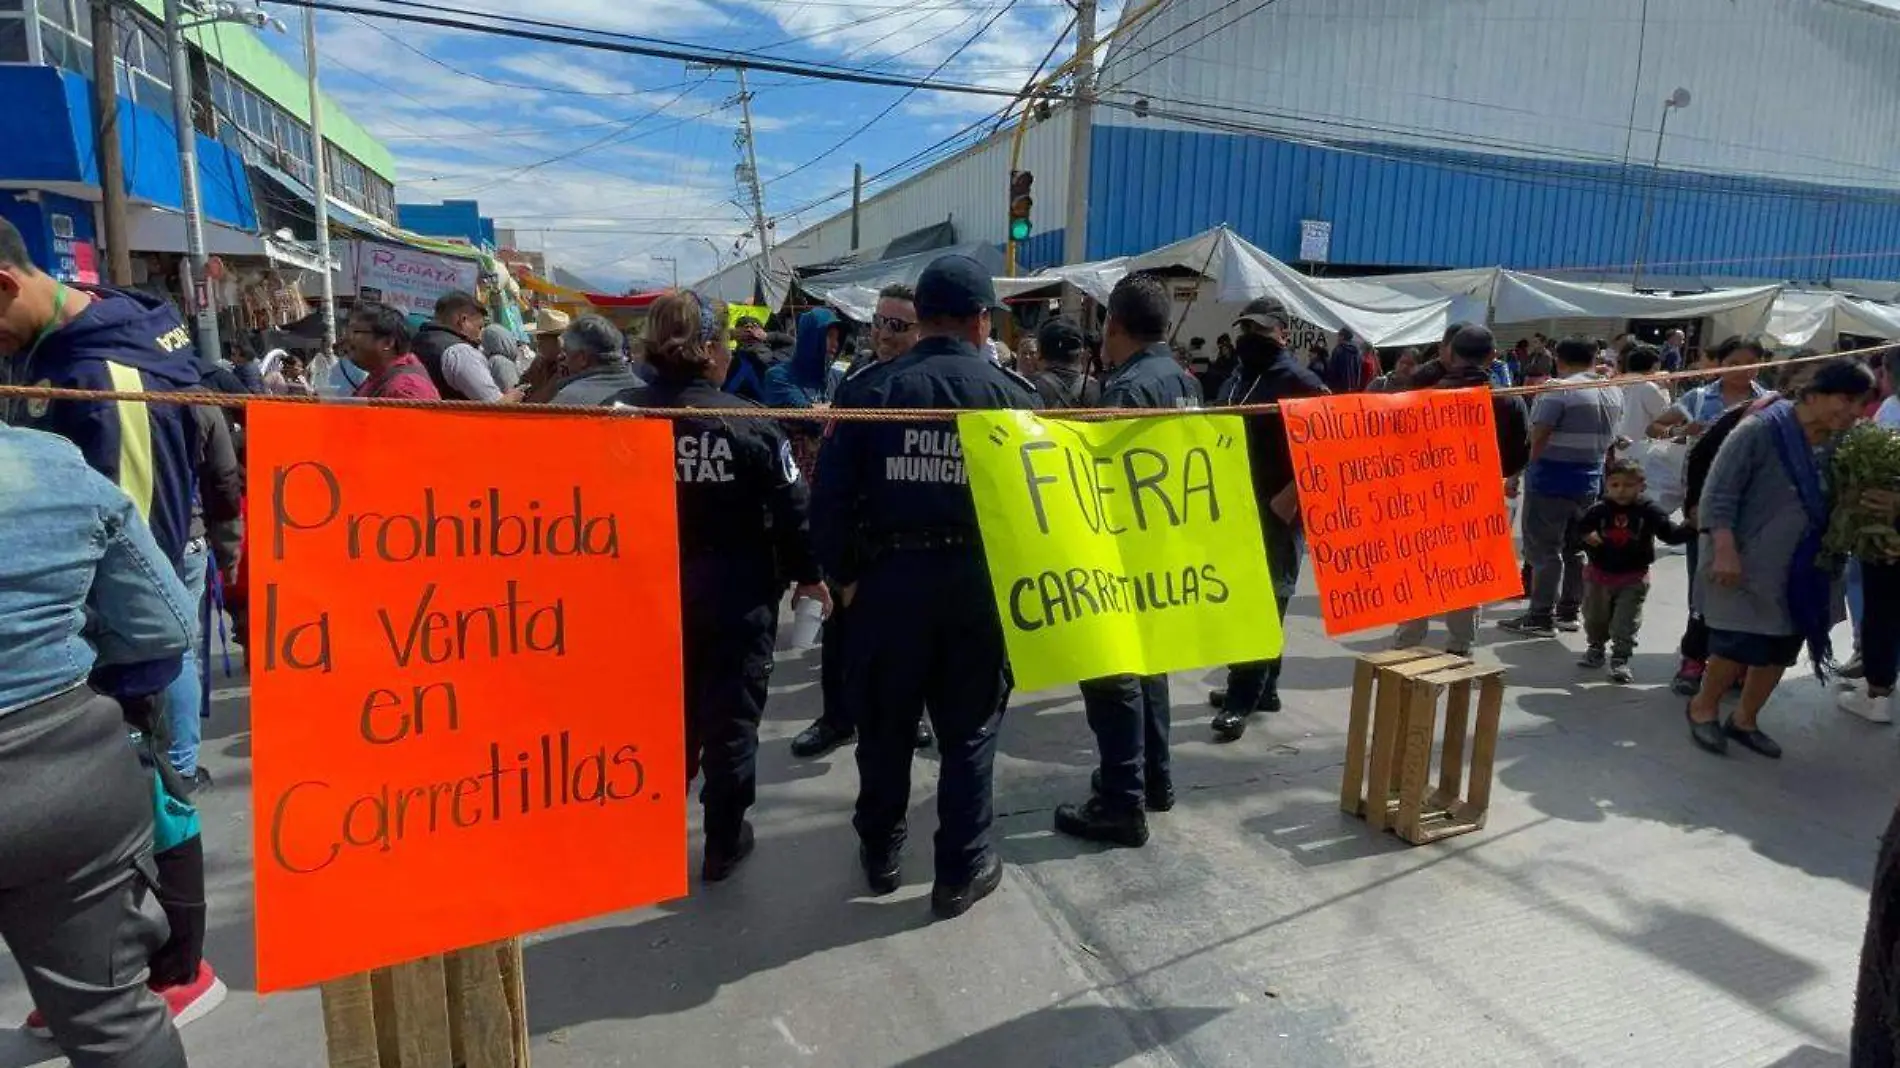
{"points": [[1125, 547]]}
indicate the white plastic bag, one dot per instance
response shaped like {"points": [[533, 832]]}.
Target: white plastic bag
{"points": [[1665, 464]]}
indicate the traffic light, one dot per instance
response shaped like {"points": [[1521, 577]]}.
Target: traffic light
{"points": [[1020, 203]]}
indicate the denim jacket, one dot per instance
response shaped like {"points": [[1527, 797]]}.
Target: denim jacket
{"points": [[84, 590]]}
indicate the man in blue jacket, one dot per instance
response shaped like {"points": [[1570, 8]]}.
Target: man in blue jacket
{"points": [[53, 334]]}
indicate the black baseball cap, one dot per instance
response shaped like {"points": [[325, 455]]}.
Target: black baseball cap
{"points": [[1474, 342], [954, 287], [1060, 336], [1264, 311]]}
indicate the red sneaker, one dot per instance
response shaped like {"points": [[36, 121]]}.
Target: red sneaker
{"points": [[35, 1025], [190, 1001]]}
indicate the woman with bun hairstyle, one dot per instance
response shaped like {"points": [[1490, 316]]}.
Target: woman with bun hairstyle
{"points": [[744, 535]]}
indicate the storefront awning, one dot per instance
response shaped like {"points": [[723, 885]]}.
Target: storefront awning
{"points": [[163, 230]]}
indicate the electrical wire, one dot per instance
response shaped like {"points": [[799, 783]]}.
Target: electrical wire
{"points": [[485, 80], [895, 104], [1030, 82], [660, 48]]}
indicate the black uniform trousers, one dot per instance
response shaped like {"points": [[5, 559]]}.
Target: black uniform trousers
{"points": [[834, 673], [75, 870], [1249, 683], [926, 637], [1129, 715], [731, 627]]}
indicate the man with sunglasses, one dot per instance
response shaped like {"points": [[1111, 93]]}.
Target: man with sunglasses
{"points": [[893, 332]]}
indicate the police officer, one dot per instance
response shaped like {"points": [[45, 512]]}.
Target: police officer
{"points": [[1268, 372], [893, 332], [896, 528], [743, 533], [1129, 713]]}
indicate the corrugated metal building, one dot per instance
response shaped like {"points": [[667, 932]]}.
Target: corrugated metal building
{"points": [[1465, 133]]}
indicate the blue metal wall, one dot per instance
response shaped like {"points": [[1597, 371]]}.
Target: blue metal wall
{"points": [[46, 127], [1410, 207], [458, 219]]}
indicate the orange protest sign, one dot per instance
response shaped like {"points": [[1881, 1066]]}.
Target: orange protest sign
{"points": [[1402, 502], [466, 700]]}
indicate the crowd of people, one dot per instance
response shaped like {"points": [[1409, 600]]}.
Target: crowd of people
{"points": [[123, 525]]}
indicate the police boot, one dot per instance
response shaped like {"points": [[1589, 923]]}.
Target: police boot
{"points": [[723, 855], [950, 900], [1157, 789], [883, 868], [1095, 821]]}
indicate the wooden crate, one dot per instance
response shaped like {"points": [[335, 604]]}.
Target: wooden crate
{"points": [[467, 1009], [1394, 720]]}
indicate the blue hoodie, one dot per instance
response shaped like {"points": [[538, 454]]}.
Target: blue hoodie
{"points": [[126, 342], [807, 378]]}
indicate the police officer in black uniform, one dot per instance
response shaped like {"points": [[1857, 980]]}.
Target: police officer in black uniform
{"points": [[1268, 372], [743, 534], [896, 528], [1129, 713]]}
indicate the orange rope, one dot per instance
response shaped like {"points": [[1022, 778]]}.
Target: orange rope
{"points": [[230, 400]]}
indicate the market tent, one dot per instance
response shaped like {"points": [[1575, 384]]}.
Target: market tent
{"points": [[1522, 298], [853, 291], [1383, 315], [1817, 318]]}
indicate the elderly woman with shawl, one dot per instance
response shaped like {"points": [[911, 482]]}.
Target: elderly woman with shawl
{"points": [[1764, 587]]}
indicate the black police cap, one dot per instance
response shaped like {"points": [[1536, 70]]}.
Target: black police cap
{"points": [[1265, 311], [1474, 342], [1060, 336], [954, 287]]}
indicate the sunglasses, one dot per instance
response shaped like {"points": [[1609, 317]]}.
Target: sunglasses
{"points": [[894, 325]]}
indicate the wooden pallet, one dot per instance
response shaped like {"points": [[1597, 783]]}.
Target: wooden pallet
{"points": [[1389, 743], [467, 1009]]}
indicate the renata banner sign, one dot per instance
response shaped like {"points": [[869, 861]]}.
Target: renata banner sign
{"points": [[409, 279]]}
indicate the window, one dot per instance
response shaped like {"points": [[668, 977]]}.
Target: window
{"points": [[12, 38]]}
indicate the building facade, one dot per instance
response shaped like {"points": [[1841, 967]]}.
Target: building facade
{"points": [[1362, 136]]}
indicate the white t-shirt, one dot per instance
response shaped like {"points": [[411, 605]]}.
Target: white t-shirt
{"points": [[1643, 404], [1888, 414]]}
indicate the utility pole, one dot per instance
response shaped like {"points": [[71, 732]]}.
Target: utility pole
{"points": [[105, 124], [857, 200], [752, 173], [1075, 236], [322, 179], [195, 274]]}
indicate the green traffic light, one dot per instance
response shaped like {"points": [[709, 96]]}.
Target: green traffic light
{"points": [[1019, 229]]}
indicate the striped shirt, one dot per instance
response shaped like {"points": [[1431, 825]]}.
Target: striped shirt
{"points": [[1582, 424]]}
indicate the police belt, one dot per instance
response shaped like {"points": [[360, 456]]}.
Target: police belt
{"points": [[913, 541]]}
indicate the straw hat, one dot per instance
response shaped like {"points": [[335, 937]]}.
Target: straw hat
{"points": [[550, 321]]}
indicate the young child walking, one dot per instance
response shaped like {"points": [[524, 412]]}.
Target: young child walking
{"points": [[1619, 535]]}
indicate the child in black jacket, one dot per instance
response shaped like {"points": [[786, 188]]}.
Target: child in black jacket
{"points": [[1619, 535]]}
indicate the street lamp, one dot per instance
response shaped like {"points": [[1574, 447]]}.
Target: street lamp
{"points": [[1678, 99]]}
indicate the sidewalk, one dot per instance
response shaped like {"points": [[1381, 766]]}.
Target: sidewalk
{"points": [[1632, 902]]}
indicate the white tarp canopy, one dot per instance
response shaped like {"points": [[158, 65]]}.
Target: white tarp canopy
{"points": [[1382, 315], [1815, 318], [1521, 298]]}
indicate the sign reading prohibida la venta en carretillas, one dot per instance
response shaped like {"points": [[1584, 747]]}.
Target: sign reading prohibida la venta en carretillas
{"points": [[466, 707], [1126, 547], [1402, 501]]}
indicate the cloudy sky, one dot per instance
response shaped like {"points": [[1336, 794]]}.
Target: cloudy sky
{"points": [[615, 163]]}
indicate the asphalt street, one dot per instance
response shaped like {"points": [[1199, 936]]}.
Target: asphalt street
{"points": [[1632, 902]]}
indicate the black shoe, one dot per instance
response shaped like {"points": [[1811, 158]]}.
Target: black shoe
{"points": [[1159, 790], [722, 859], [883, 869], [1269, 701], [1217, 699], [1529, 627], [1708, 735], [1688, 680], [1592, 657], [821, 738], [949, 902], [1753, 739], [1567, 624], [1229, 726], [924, 738], [1095, 821]]}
